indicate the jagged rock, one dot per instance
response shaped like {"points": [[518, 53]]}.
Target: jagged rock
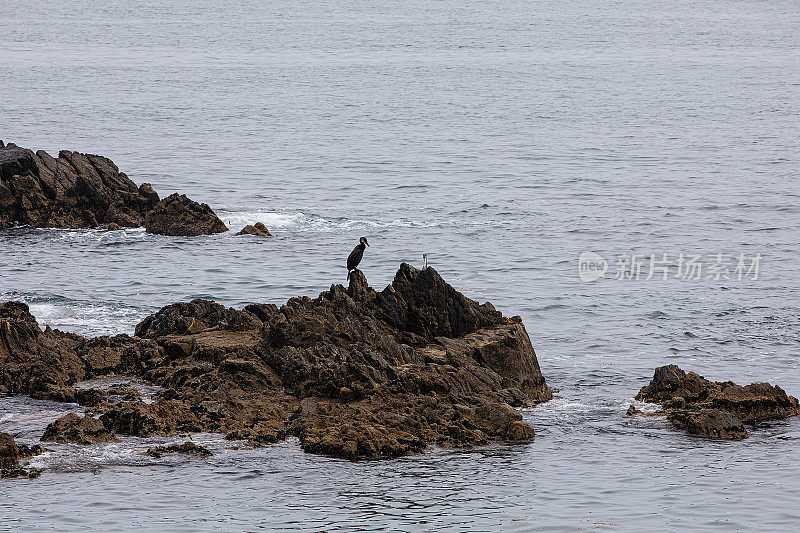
{"points": [[177, 215], [87, 191], [36, 362], [258, 229], [353, 373], [9, 454], [711, 423], [694, 403], [47, 364], [187, 447], [72, 191], [79, 430]]}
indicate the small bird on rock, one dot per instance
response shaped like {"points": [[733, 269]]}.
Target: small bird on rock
{"points": [[355, 256]]}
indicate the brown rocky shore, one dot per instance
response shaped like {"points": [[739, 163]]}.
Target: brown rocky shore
{"points": [[353, 373], [78, 190], [714, 409]]}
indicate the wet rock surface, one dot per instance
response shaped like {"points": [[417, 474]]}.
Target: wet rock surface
{"points": [[78, 429], [712, 423], [258, 229], [9, 454], [177, 215], [187, 447], [353, 373], [78, 190], [715, 409]]}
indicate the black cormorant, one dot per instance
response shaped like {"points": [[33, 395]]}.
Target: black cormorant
{"points": [[355, 256]]}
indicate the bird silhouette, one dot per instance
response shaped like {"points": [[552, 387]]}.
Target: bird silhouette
{"points": [[355, 256]]}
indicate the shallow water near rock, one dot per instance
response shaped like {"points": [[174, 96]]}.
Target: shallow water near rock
{"points": [[502, 140]]}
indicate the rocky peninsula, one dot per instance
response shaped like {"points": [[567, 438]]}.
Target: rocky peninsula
{"points": [[353, 373], [78, 190]]}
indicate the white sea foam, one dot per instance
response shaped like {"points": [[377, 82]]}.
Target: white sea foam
{"points": [[302, 222], [644, 407], [86, 318]]}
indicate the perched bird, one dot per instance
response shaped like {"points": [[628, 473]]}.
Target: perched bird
{"points": [[355, 256], [425, 259]]}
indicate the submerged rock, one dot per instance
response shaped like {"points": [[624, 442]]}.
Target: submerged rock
{"points": [[353, 373], [26, 452], [20, 472], [177, 215], [258, 229], [696, 404], [78, 190], [79, 430], [187, 447], [711, 423]]}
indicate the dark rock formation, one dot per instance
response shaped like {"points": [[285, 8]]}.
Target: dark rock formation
{"points": [[353, 373], [9, 454], [178, 215], [36, 362], [26, 452], [20, 472], [258, 229], [187, 447], [195, 317], [712, 423], [72, 191], [79, 430], [87, 191], [694, 403]]}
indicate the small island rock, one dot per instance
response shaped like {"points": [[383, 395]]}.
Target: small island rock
{"points": [[715, 409], [258, 229], [353, 373]]}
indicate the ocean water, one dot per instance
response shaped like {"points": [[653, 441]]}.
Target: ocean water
{"points": [[501, 138]]}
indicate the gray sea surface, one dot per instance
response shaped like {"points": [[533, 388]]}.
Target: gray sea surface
{"points": [[501, 138]]}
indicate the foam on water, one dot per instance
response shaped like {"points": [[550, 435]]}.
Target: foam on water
{"points": [[279, 222], [87, 318]]}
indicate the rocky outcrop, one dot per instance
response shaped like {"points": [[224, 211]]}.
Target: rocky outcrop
{"points": [[72, 191], [353, 373], [258, 229], [79, 430], [78, 190], [40, 363], [177, 215], [715, 409]]}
